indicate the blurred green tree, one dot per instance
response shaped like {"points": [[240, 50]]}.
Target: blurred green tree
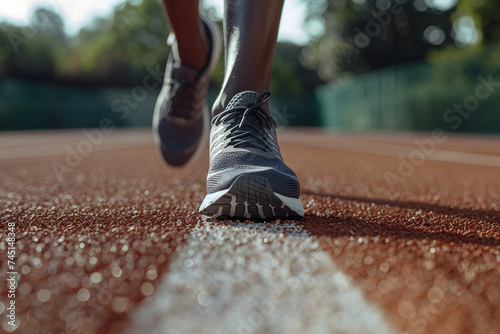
{"points": [[364, 35], [32, 51], [486, 18], [119, 51]]}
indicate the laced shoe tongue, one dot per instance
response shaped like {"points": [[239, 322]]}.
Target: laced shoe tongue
{"points": [[252, 102], [248, 120], [243, 99]]}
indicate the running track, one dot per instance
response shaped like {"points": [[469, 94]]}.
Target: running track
{"points": [[116, 245]]}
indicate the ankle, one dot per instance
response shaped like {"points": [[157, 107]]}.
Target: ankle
{"points": [[196, 59], [194, 52]]}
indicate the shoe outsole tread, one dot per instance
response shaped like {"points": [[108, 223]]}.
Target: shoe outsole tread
{"points": [[250, 197]]}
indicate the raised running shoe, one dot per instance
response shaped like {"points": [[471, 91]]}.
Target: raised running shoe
{"points": [[181, 119], [248, 178]]}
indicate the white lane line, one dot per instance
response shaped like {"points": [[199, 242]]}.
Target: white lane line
{"points": [[255, 278], [58, 149], [350, 145]]}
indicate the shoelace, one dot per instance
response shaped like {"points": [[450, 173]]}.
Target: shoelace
{"points": [[247, 134], [261, 100], [186, 103], [188, 100]]}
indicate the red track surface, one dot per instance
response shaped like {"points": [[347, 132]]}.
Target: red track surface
{"points": [[95, 242]]}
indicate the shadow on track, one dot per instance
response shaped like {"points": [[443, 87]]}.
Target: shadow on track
{"points": [[395, 227]]}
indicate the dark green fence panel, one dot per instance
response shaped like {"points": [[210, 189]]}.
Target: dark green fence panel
{"points": [[412, 97], [28, 105]]}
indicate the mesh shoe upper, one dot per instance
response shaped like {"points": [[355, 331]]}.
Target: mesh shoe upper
{"points": [[181, 113], [243, 141]]}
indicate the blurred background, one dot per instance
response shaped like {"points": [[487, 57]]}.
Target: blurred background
{"points": [[345, 64]]}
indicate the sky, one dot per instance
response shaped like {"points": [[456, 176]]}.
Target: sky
{"points": [[78, 13]]}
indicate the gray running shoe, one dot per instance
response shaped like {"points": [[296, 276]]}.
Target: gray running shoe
{"points": [[181, 119], [248, 178]]}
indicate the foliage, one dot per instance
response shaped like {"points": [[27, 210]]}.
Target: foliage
{"points": [[32, 51], [364, 35], [117, 51], [486, 15]]}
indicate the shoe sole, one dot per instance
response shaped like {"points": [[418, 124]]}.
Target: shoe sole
{"points": [[250, 197], [217, 48]]}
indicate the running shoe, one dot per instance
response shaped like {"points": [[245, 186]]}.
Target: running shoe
{"points": [[181, 118], [248, 178]]}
